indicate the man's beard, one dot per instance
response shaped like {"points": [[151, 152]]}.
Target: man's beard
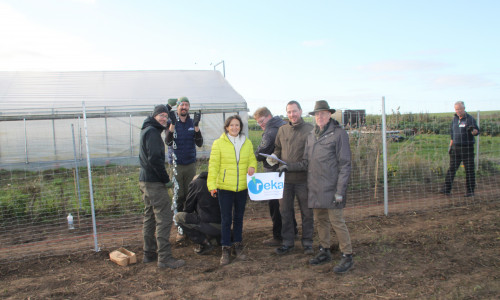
{"points": [[183, 112]]}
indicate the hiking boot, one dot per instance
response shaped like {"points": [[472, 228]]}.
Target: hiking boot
{"points": [[226, 252], [272, 242], [308, 250], [283, 250], [345, 264], [171, 263], [322, 257], [238, 251], [203, 249], [148, 258]]}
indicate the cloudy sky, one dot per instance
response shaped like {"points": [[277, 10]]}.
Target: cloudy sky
{"points": [[422, 56]]}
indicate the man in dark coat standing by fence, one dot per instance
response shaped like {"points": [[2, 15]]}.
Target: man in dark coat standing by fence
{"points": [[463, 130], [327, 159], [153, 181]]}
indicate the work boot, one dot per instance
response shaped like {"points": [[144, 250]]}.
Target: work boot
{"points": [[226, 252], [238, 251], [272, 242], [149, 257], [345, 264], [171, 263], [322, 257], [283, 250], [308, 250]]}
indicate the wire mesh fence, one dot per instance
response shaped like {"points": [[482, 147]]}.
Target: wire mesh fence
{"points": [[37, 198]]}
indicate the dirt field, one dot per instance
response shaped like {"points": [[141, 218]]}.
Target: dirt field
{"points": [[449, 253]]}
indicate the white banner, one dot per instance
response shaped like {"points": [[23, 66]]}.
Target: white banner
{"points": [[265, 186]]}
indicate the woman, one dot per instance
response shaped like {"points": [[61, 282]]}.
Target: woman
{"points": [[230, 159]]}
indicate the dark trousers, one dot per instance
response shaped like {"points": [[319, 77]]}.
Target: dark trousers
{"points": [[458, 155], [291, 191], [232, 210], [274, 212], [196, 230]]}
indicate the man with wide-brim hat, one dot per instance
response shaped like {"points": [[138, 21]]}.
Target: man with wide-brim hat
{"points": [[321, 105], [327, 159]]}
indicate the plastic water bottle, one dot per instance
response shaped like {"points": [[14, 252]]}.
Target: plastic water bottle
{"points": [[70, 221]]}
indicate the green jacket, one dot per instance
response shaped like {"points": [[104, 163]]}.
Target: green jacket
{"points": [[224, 172]]}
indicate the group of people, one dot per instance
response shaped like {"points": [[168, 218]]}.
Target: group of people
{"points": [[210, 209]]}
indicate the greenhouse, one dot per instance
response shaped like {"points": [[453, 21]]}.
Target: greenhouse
{"points": [[48, 119]]}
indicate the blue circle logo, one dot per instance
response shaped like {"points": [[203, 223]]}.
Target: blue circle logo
{"points": [[255, 186]]}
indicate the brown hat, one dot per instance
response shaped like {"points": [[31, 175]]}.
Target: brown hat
{"points": [[320, 106]]}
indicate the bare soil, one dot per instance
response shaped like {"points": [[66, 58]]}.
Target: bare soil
{"points": [[448, 253]]}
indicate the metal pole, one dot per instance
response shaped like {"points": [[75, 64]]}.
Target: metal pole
{"points": [[91, 191], [80, 140], [223, 67], [131, 138], [477, 142], [106, 130], [384, 150], [25, 142], [54, 135], [76, 168]]}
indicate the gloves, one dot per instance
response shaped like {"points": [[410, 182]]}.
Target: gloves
{"points": [[169, 184], [197, 118], [172, 116], [282, 169], [172, 102], [338, 198], [271, 161]]}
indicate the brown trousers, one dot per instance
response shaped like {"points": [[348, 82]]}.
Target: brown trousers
{"points": [[334, 218]]}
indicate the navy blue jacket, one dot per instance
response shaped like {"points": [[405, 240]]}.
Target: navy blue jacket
{"points": [[185, 143], [152, 152], [461, 130]]}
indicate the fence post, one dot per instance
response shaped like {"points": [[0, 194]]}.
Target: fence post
{"points": [[131, 137], [91, 191], [477, 142], [26, 143], [76, 168], [384, 150]]}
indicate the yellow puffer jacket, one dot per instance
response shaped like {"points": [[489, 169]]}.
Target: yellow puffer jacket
{"points": [[224, 172]]}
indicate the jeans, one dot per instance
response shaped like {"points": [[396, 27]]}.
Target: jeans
{"points": [[196, 230], [232, 210]]}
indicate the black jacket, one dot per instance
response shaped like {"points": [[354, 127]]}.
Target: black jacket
{"points": [[461, 130], [266, 145], [152, 152], [200, 201]]}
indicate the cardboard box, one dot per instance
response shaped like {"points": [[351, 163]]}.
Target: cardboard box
{"points": [[123, 257]]}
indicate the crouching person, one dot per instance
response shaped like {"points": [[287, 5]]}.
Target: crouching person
{"points": [[200, 219]]}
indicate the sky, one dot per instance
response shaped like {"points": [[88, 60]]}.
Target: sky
{"points": [[421, 56]]}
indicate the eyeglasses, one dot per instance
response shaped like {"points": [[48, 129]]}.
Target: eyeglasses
{"points": [[261, 120]]}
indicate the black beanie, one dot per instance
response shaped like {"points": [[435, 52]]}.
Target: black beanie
{"points": [[159, 109]]}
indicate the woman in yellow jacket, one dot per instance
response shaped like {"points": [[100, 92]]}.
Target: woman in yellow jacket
{"points": [[231, 159]]}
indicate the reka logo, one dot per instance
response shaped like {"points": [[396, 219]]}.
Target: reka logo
{"points": [[256, 186]]}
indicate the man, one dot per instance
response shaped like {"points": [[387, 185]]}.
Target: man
{"points": [[153, 180], [327, 159], [183, 135], [289, 146], [200, 219], [270, 125], [463, 129]]}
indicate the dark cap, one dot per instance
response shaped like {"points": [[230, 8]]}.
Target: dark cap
{"points": [[159, 109]]}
